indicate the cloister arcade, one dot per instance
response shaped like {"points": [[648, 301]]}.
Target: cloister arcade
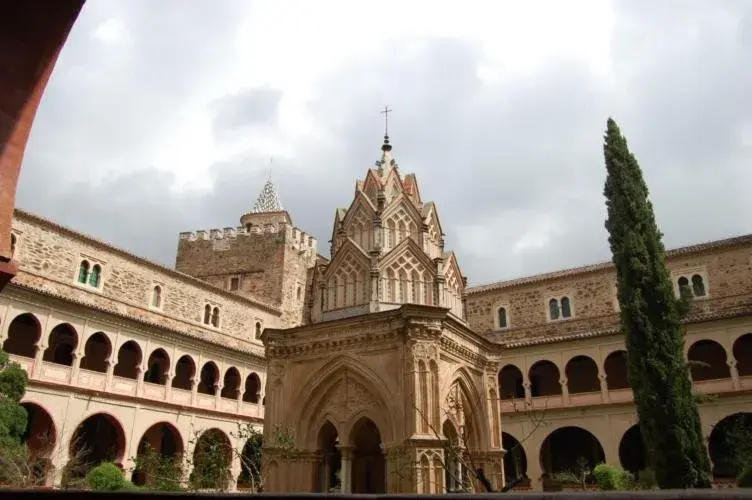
{"points": [[586, 397], [102, 436], [109, 396], [63, 347]]}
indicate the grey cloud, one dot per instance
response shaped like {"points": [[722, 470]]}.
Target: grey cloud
{"points": [[249, 107], [518, 161]]}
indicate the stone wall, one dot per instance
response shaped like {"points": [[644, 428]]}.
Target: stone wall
{"points": [[50, 256], [725, 267], [269, 261]]}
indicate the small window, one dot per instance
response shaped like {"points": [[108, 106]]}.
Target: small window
{"points": [[692, 286], [215, 317], [95, 275], [298, 292], [566, 310], [207, 314], [553, 308], [698, 286], [83, 272], [258, 329], [89, 274], [156, 297], [13, 242], [684, 287], [234, 284], [502, 316]]}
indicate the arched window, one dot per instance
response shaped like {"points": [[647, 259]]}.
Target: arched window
{"points": [[553, 308], [684, 287], [258, 329], [156, 296], [502, 313], [94, 276], [415, 287], [698, 286], [83, 272], [566, 309], [207, 314], [215, 317]]}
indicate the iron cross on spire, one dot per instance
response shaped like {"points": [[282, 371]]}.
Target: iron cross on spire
{"points": [[386, 112]]}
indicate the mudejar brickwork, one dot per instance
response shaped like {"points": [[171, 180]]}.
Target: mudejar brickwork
{"points": [[374, 356]]}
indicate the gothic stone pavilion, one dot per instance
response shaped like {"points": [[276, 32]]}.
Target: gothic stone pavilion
{"points": [[387, 369]]}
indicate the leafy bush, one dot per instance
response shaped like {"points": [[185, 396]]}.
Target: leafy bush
{"points": [[106, 477], [745, 478], [646, 480], [609, 477]]}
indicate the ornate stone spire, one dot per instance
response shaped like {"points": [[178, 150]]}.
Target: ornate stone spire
{"points": [[268, 200], [386, 161]]}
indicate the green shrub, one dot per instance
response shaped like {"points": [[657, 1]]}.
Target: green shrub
{"points": [[609, 477], [646, 480], [745, 478], [106, 477]]}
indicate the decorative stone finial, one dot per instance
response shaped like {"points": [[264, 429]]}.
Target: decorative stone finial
{"points": [[268, 200]]}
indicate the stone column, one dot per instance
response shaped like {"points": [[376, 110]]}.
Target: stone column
{"points": [[346, 468], [168, 384], [140, 380], [75, 367], [194, 390], [110, 373], [564, 391], [734, 373], [218, 395], [36, 369], [604, 388], [241, 392]]}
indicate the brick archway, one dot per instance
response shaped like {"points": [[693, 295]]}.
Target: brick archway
{"points": [[31, 37]]}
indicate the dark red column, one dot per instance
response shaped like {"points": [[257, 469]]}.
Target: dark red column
{"points": [[32, 32]]}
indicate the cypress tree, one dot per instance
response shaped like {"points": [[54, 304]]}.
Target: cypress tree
{"points": [[651, 319]]}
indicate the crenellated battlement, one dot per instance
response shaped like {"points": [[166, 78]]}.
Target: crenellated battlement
{"points": [[292, 234]]}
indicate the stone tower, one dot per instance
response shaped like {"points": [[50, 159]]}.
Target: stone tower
{"points": [[388, 370], [387, 250], [265, 257]]}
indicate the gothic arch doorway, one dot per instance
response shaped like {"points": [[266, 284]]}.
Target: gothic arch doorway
{"points": [[368, 464], [328, 478]]}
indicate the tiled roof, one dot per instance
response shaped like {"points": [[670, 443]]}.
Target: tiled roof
{"points": [[698, 317], [537, 278], [140, 260], [252, 349], [268, 200]]}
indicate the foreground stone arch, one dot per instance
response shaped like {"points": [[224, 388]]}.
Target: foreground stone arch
{"points": [[98, 438], [564, 449], [163, 439], [342, 391]]}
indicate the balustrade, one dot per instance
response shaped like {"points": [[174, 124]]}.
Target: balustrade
{"points": [[98, 381]]}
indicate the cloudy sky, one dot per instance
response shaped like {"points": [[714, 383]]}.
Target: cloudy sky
{"points": [[162, 116]]}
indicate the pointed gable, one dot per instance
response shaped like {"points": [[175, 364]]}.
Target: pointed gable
{"points": [[393, 185], [452, 272], [372, 185], [410, 185]]}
